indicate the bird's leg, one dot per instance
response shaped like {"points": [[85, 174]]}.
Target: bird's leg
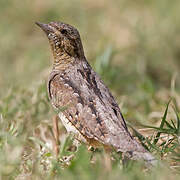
{"points": [[107, 158], [56, 135], [92, 150]]}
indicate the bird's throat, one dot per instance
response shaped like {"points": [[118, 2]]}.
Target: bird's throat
{"points": [[62, 61]]}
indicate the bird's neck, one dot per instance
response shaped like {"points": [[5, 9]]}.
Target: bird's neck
{"points": [[62, 61]]}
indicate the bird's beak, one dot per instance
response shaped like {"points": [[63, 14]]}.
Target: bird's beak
{"points": [[45, 27]]}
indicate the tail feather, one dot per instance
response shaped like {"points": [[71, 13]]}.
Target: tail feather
{"points": [[147, 157]]}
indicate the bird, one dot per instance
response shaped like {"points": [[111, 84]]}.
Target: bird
{"points": [[83, 102]]}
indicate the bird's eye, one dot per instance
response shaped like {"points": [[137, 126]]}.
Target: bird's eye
{"points": [[63, 31]]}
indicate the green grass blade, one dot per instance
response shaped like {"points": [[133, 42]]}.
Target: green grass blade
{"points": [[169, 125], [173, 124], [178, 121], [139, 136], [162, 123]]}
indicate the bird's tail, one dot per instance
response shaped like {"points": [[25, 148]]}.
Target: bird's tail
{"points": [[147, 157]]}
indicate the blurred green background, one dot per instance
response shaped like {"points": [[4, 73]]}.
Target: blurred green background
{"points": [[143, 35], [133, 45]]}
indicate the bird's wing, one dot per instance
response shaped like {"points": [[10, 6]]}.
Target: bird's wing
{"points": [[90, 107]]}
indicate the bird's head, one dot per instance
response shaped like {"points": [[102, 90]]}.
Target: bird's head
{"points": [[64, 40]]}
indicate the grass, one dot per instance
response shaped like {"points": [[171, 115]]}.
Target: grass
{"points": [[135, 49]]}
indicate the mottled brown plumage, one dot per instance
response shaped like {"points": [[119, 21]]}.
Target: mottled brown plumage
{"points": [[89, 109]]}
